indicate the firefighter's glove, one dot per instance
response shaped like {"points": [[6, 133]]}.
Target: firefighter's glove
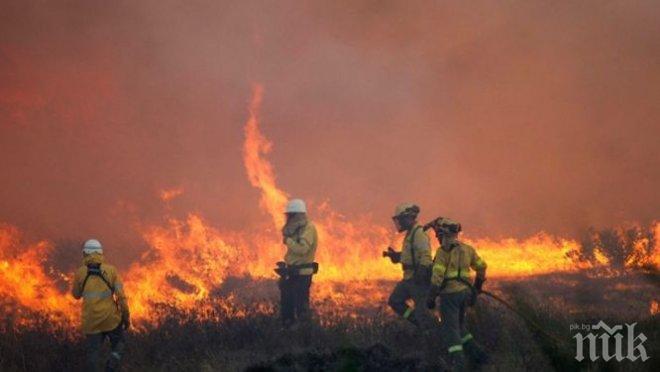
{"points": [[393, 255], [280, 272], [281, 269], [433, 294], [479, 283], [125, 321]]}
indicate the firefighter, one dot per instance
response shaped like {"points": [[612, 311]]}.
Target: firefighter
{"points": [[415, 258], [105, 312], [299, 236], [450, 281]]}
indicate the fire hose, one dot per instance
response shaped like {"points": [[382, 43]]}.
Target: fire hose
{"points": [[530, 322], [455, 228]]}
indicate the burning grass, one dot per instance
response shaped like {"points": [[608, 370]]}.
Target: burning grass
{"points": [[188, 259], [368, 337], [202, 298]]}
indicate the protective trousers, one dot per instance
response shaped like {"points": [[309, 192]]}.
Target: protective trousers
{"points": [[95, 342], [453, 327], [409, 290], [294, 298]]}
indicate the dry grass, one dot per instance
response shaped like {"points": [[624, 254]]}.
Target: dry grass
{"points": [[377, 342]]}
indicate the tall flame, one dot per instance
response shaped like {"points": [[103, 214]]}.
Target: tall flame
{"points": [[189, 260], [346, 247], [259, 171]]}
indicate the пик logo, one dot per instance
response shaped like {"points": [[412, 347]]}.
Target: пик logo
{"points": [[635, 344]]}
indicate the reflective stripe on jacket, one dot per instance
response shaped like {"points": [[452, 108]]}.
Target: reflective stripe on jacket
{"points": [[101, 311], [448, 262], [301, 248], [422, 249]]}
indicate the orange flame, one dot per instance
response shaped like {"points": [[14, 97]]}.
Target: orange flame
{"points": [[189, 260], [169, 194], [259, 171], [24, 281]]}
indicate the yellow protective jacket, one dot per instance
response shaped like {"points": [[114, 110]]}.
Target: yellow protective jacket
{"points": [[101, 309], [301, 248], [421, 247], [456, 258]]}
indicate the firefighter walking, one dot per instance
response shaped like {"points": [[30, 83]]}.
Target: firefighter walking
{"points": [[415, 259], [450, 281], [105, 313], [300, 237]]}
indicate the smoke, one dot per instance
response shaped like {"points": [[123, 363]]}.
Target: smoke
{"points": [[511, 117]]}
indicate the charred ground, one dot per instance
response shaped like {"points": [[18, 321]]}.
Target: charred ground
{"points": [[369, 338]]}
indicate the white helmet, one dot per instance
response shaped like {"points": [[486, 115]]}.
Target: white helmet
{"points": [[92, 246], [296, 206]]}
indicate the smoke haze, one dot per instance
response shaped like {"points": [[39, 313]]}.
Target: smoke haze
{"points": [[511, 117]]}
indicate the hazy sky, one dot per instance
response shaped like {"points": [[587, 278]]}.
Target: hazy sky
{"points": [[510, 116]]}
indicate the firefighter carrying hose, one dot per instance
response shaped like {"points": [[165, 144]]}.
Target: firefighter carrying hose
{"points": [[450, 281], [105, 312], [299, 236], [415, 258]]}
